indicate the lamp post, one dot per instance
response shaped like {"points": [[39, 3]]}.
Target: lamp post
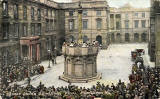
{"points": [[49, 55], [1, 64], [55, 54]]}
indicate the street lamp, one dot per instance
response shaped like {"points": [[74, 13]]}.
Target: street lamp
{"points": [[49, 55], [55, 54]]}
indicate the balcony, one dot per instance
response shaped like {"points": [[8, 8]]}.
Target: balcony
{"points": [[79, 51]]}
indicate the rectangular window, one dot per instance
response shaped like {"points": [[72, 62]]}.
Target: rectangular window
{"points": [[25, 12], [118, 19], [143, 23], [85, 24], [136, 23], [5, 30], [15, 10], [118, 16], [16, 30], [39, 29], [51, 13], [111, 21], [39, 14], [152, 28], [51, 24], [24, 30], [117, 25], [136, 15], [5, 8], [84, 13], [71, 24], [99, 23], [111, 16], [32, 13], [126, 15], [98, 13], [143, 15], [71, 13], [47, 25], [126, 23], [32, 29]]}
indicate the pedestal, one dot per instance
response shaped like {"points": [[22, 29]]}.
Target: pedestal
{"points": [[80, 64]]}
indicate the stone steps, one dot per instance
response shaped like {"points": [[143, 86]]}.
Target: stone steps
{"points": [[79, 80]]}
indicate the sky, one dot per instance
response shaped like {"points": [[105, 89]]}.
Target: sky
{"points": [[119, 3]]}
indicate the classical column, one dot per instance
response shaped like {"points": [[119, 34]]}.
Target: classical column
{"points": [[65, 66], [72, 66]]}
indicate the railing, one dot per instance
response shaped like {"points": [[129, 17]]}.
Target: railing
{"points": [[79, 51]]}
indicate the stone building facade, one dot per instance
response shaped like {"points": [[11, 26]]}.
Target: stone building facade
{"points": [[94, 20], [30, 28], [154, 37], [128, 24]]}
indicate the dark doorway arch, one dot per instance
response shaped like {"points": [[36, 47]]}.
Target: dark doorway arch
{"points": [[99, 39], [85, 39], [127, 39], [71, 38], [144, 37], [136, 37], [112, 37], [118, 37], [62, 40]]}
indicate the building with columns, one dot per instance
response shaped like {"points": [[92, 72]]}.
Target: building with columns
{"points": [[129, 24], [29, 28]]}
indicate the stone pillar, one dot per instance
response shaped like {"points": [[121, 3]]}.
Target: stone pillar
{"points": [[65, 61], [72, 67]]}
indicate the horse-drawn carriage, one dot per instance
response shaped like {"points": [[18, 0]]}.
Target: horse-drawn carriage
{"points": [[136, 53], [140, 51]]}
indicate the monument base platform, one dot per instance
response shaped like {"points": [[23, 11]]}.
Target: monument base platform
{"points": [[80, 80]]}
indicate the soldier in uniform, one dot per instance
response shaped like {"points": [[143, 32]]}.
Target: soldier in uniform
{"points": [[54, 57]]}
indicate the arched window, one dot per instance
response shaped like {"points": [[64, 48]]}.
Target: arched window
{"points": [[99, 39], [85, 39], [118, 37], [144, 37], [71, 38], [136, 37], [112, 37], [127, 39]]}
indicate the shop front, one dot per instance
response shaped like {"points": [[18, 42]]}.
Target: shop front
{"points": [[30, 48]]}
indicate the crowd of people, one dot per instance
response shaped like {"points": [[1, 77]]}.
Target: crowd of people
{"points": [[144, 84], [84, 44], [17, 73]]}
